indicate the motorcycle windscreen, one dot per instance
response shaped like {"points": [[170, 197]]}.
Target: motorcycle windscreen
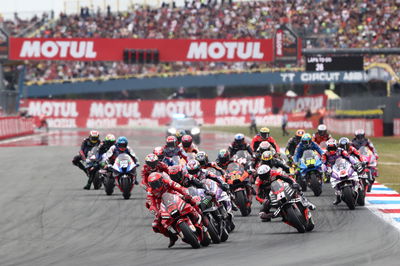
{"points": [[169, 200], [277, 187], [124, 162], [232, 167]]}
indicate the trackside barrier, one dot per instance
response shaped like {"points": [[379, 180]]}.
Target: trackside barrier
{"points": [[14, 126], [396, 127], [372, 127]]}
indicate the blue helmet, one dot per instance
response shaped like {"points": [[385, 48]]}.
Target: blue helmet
{"points": [[239, 138], [306, 139], [122, 143]]}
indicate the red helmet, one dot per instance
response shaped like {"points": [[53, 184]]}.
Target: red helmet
{"points": [[171, 142], [175, 172], [156, 182], [193, 167], [187, 141], [159, 151], [331, 146], [151, 160]]}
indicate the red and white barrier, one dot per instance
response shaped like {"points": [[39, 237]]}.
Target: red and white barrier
{"points": [[15, 126], [110, 114], [396, 127], [372, 127]]}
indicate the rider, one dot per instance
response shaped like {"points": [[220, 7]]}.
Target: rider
{"points": [[321, 135], [87, 144], [263, 186], [223, 159], [179, 134], [187, 144], [121, 146], [152, 165], [108, 141], [158, 185], [194, 170], [329, 157], [264, 146], [159, 151], [360, 140], [293, 142], [264, 135], [202, 158], [267, 158], [239, 144], [172, 149], [306, 144], [344, 143]]}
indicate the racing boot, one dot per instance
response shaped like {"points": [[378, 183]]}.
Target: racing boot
{"points": [[265, 216], [172, 239], [136, 182], [338, 200], [89, 183]]}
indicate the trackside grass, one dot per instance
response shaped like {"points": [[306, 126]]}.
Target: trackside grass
{"points": [[388, 149]]}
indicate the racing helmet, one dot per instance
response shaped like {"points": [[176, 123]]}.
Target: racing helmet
{"points": [[306, 140], [156, 182], [264, 132], [331, 146], [264, 172], [223, 156], [239, 138], [344, 143], [94, 136], [171, 142], [360, 134], [109, 140], [179, 134], [187, 141], [267, 156], [322, 129], [151, 160], [159, 151], [193, 167], [175, 172], [300, 133], [264, 146], [122, 143], [202, 158]]}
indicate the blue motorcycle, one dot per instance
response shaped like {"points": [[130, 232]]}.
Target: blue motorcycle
{"points": [[311, 172]]}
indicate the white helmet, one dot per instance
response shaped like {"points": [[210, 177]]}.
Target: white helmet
{"points": [[322, 127]]}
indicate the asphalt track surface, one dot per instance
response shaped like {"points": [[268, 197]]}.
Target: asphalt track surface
{"points": [[47, 219]]}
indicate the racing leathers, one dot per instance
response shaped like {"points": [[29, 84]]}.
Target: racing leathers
{"points": [[114, 151], [192, 149], [235, 147], [170, 152], [224, 165], [292, 145], [255, 142], [358, 143], [215, 166], [154, 200], [203, 174], [86, 146], [318, 138], [301, 148], [276, 163]]}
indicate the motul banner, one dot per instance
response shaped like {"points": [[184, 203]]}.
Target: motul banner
{"points": [[372, 127], [97, 49], [300, 103], [15, 126]]}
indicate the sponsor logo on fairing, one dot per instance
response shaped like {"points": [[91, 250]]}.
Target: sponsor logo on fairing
{"points": [[225, 50], [58, 49]]}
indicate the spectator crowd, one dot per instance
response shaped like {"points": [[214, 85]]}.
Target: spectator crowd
{"points": [[322, 24]]}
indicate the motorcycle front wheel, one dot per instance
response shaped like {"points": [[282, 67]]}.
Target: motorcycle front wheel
{"points": [[189, 236], [348, 197]]}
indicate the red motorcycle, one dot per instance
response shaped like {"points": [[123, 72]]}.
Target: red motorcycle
{"points": [[175, 216]]}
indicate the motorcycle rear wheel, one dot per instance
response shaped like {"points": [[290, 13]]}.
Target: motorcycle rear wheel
{"points": [[126, 184], [241, 202], [348, 197], [315, 185], [189, 236], [96, 180], [109, 184], [361, 197], [212, 230]]}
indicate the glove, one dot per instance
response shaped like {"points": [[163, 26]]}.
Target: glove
{"points": [[296, 186], [153, 210], [329, 170], [225, 187]]}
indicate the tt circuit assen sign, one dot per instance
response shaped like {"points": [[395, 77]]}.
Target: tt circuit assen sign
{"points": [[112, 49]]}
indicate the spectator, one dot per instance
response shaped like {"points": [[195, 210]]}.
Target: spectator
{"points": [[253, 124], [284, 124]]}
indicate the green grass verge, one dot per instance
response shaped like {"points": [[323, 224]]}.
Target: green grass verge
{"points": [[388, 149]]}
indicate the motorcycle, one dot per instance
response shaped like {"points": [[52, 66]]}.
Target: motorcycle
{"points": [[92, 167], [239, 183], [124, 173], [368, 177], [346, 180], [310, 172], [290, 206], [175, 216]]}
